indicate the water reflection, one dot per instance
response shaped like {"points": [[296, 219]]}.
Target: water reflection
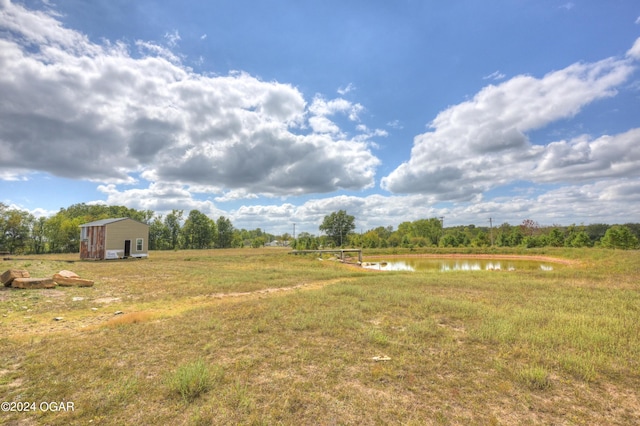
{"points": [[447, 264]]}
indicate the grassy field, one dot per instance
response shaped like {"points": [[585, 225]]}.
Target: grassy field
{"points": [[257, 336]]}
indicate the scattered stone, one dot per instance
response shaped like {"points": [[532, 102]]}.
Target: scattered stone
{"points": [[64, 281], [94, 309], [381, 358], [58, 318], [77, 299], [118, 313], [68, 274], [8, 276], [30, 283]]}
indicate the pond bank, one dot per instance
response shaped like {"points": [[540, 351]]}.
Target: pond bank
{"points": [[474, 256]]}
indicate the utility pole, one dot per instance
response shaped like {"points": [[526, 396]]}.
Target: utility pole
{"points": [[491, 227]]}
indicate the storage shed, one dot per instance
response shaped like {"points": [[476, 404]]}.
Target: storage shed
{"points": [[114, 239]]}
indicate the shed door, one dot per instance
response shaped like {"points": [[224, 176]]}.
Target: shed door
{"points": [[127, 248]]}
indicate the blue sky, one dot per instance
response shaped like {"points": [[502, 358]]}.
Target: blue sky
{"points": [[280, 112]]}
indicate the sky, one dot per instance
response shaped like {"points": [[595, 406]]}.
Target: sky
{"points": [[278, 112]]}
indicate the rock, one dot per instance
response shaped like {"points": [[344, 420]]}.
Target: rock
{"points": [[68, 274], [77, 299], [118, 313], [58, 319], [381, 358], [71, 281], [29, 283], [8, 276]]}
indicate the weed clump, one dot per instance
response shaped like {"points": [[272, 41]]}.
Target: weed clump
{"points": [[535, 378], [192, 380]]}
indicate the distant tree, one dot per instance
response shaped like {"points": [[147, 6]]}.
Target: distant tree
{"points": [[530, 228], [596, 231], [429, 229], [172, 222], [370, 239], [159, 235], [555, 238], [17, 228], [338, 225], [619, 237], [481, 240], [580, 239], [38, 236], [225, 232], [198, 231]]}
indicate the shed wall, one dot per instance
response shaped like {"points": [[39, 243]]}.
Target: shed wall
{"points": [[92, 242], [118, 232]]}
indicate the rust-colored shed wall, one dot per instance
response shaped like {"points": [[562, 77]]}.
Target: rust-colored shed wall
{"points": [[93, 245]]}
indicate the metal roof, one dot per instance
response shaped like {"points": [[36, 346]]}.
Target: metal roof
{"points": [[104, 222]]}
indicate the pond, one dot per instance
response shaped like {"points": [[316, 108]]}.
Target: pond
{"points": [[450, 264]]}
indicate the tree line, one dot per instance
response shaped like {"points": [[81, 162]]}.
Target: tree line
{"points": [[22, 233], [339, 228]]}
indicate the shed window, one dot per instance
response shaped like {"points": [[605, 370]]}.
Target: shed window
{"points": [[139, 244]]}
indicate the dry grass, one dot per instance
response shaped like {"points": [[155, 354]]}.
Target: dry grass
{"points": [[205, 339]]}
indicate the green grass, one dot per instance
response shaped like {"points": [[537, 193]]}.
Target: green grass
{"points": [[536, 347], [193, 379]]}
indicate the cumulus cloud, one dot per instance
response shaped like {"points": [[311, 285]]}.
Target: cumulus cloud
{"points": [[159, 197], [583, 203], [482, 143], [83, 110]]}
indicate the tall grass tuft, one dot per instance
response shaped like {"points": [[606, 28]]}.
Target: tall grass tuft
{"points": [[535, 378], [192, 380]]}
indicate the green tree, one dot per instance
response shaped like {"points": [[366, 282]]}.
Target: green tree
{"points": [[338, 225], [17, 230], [429, 229], [580, 239], [198, 231], [619, 237], [172, 222], [38, 236], [159, 235], [225, 232], [555, 238]]}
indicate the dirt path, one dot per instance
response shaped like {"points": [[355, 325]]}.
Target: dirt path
{"points": [[92, 320]]}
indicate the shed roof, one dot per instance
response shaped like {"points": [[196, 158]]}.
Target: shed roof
{"points": [[103, 222]]}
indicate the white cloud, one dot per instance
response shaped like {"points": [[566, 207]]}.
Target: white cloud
{"points": [[496, 75], [482, 143], [638, 20], [159, 197], [81, 110], [344, 90], [172, 38], [608, 201], [634, 52], [395, 124], [568, 6]]}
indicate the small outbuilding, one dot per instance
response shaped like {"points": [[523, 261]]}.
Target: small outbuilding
{"points": [[114, 239]]}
